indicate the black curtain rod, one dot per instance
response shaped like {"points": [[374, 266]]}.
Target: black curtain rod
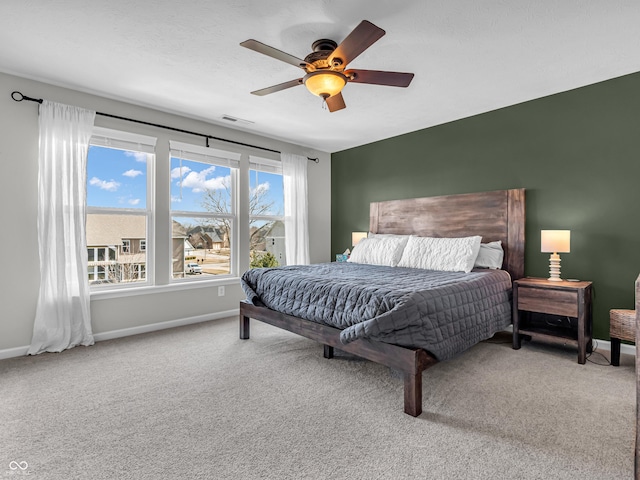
{"points": [[18, 97]]}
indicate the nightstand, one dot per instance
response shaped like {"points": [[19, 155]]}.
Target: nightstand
{"points": [[567, 299]]}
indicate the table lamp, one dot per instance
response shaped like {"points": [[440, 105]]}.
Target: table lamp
{"points": [[356, 237], [555, 242]]}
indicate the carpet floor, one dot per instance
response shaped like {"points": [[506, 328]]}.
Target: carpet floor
{"points": [[197, 402]]}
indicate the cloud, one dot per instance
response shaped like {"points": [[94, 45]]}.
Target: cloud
{"points": [[177, 173], [134, 201], [260, 189], [132, 173], [110, 186], [175, 198], [198, 181], [139, 156]]}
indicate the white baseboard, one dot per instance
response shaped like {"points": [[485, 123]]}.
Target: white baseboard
{"points": [[604, 345], [625, 348], [126, 332], [13, 352]]}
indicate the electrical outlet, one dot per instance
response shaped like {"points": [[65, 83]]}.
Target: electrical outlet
{"points": [[221, 291]]}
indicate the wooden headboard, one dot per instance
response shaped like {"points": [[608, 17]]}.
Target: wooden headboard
{"points": [[498, 215]]}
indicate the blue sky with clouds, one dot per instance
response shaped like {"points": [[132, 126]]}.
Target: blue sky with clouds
{"points": [[117, 179]]}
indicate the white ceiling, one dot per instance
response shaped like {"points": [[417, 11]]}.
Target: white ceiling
{"points": [[468, 56]]}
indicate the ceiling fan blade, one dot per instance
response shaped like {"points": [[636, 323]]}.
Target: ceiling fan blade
{"points": [[361, 38], [277, 88], [273, 53], [335, 102], [378, 77]]}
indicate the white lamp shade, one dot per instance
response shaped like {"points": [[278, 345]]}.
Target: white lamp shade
{"points": [[555, 241], [357, 236]]}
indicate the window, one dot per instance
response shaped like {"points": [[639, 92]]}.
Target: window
{"points": [[266, 213], [143, 245], [203, 210], [96, 273], [119, 176], [140, 271], [101, 254]]}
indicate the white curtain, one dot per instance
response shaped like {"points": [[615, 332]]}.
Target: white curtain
{"points": [[62, 314], [296, 217]]}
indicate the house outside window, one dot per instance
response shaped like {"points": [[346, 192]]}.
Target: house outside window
{"points": [[140, 271], [204, 212], [266, 213], [119, 207], [101, 254], [96, 273], [143, 245]]}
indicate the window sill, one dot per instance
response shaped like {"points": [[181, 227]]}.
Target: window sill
{"points": [[115, 292]]}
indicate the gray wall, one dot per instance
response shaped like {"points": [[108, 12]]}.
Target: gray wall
{"points": [[577, 154], [18, 209]]}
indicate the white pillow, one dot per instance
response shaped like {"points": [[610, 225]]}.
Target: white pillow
{"points": [[490, 255], [445, 254], [379, 250]]}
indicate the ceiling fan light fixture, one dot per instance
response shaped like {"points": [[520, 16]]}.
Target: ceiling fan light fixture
{"points": [[325, 83]]}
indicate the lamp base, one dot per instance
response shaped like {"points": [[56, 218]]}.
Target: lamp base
{"points": [[554, 268]]}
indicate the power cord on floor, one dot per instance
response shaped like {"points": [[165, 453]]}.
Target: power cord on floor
{"points": [[604, 363], [593, 350]]}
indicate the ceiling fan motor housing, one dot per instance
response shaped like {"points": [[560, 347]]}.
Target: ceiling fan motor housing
{"points": [[322, 49]]}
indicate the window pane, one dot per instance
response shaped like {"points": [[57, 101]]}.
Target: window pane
{"points": [[107, 234], [116, 182], [267, 243], [267, 235], [267, 197], [116, 178], [198, 187], [201, 247], [201, 240]]}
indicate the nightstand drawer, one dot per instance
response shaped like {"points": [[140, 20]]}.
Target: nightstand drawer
{"points": [[553, 302]]}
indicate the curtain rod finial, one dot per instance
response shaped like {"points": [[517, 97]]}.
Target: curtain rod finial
{"points": [[18, 97]]}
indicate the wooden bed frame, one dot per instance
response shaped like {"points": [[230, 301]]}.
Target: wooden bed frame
{"points": [[497, 215]]}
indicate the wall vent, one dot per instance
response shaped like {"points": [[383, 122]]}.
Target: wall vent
{"points": [[232, 119]]}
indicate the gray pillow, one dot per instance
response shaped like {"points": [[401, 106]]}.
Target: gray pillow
{"points": [[490, 255]]}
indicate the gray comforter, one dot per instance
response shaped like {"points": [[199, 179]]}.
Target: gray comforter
{"points": [[442, 312]]}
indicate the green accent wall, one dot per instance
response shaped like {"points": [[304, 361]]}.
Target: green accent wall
{"points": [[576, 153]]}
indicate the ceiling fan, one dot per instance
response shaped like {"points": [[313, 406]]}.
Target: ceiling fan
{"points": [[325, 66]]}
